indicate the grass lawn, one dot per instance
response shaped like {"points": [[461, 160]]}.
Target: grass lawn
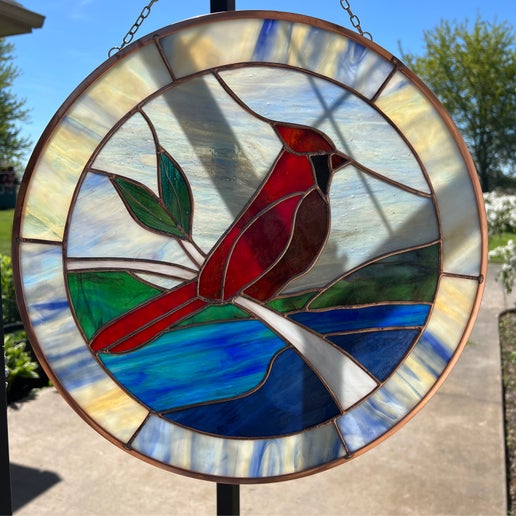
{"points": [[499, 240], [6, 224]]}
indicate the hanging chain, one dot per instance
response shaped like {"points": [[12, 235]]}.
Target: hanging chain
{"points": [[134, 29], [355, 21], [353, 18]]}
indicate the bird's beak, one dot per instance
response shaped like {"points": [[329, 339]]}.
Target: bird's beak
{"points": [[339, 160]]}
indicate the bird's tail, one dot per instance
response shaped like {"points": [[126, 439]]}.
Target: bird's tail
{"points": [[141, 325]]}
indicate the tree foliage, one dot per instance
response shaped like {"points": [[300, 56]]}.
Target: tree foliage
{"points": [[472, 71], [12, 111]]}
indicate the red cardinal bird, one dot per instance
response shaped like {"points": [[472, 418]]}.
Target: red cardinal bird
{"points": [[277, 237]]}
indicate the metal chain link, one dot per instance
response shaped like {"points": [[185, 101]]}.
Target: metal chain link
{"points": [[134, 29], [355, 21]]}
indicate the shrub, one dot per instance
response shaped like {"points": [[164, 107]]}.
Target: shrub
{"points": [[501, 217], [9, 307], [500, 212], [507, 274], [20, 365]]}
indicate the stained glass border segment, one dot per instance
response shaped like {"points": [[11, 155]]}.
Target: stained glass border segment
{"points": [[68, 167]]}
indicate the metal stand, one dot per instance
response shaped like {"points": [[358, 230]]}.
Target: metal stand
{"points": [[222, 5], [228, 500], [228, 495], [5, 471]]}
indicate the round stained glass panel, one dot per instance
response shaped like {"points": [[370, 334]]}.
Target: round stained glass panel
{"points": [[249, 246]]}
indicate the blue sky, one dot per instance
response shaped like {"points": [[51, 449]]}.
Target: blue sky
{"points": [[77, 35]]}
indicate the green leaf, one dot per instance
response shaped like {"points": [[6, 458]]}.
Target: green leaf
{"points": [[175, 192], [146, 207]]}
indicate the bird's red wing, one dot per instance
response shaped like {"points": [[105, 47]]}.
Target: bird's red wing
{"points": [[260, 245], [308, 237], [290, 174]]}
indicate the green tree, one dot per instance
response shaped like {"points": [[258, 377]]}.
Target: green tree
{"points": [[12, 111], [472, 70]]}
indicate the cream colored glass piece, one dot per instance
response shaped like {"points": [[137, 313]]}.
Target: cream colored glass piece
{"points": [[199, 48], [55, 179], [451, 314], [238, 458], [111, 408], [294, 44], [450, 317], [433, 141], [131, 152], [145, 267], [75, 138]]}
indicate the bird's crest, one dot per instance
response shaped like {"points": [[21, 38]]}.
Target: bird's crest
{"points": [[304, 140]]}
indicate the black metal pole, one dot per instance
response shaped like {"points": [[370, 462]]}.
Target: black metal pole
{"points": [[222, 5], [228, 500], [228, 495], [5, 470]]}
